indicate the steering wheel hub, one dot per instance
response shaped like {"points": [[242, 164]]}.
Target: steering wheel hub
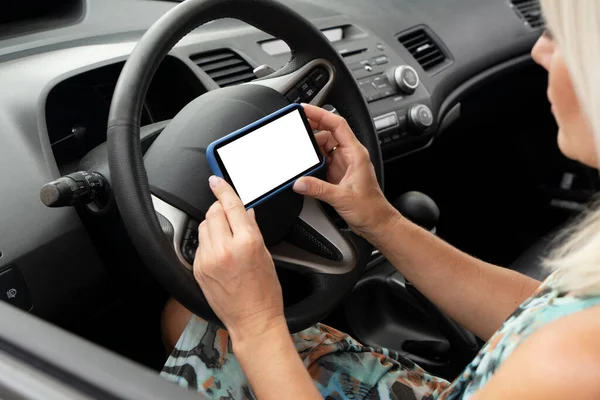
{"points": [[176, 163]]}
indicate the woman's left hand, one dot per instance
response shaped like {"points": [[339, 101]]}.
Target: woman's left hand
{"points": [[234, 268]]}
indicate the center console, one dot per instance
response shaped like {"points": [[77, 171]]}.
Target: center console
{"points": [[399, 102]]}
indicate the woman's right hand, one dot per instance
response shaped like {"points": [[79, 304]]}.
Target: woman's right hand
{"points": [[352, 187]]}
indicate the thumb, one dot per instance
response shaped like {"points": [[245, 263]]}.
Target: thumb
{"points": [[316, 188]]}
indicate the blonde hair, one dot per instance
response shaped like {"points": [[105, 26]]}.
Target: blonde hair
{"points": [[575, 25]]}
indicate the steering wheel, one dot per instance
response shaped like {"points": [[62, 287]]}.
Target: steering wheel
{"points": [[163, 194]]}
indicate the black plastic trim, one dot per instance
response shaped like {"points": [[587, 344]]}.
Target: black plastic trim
{"points": [[480, 79]]}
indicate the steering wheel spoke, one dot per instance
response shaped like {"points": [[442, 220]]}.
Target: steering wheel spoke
{"points": [[315, 244], [310, 83], [178, 227]]}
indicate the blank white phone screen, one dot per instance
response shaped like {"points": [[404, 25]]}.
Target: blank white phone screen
{"points": [[269, 156]]}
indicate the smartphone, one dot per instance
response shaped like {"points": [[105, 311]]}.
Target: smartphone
{"points": [[266, 157]]}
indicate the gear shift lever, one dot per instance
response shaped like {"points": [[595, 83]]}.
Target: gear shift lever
{"points": [[422, 210], [419, 209]]}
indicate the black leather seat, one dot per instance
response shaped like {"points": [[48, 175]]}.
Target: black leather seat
{"points": [[530, 262]]}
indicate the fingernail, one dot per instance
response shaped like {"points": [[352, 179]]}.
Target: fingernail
{"points": [[213, 181], [300, 187]]}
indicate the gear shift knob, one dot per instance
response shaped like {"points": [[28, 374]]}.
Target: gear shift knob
{"points": [[419, 208]]}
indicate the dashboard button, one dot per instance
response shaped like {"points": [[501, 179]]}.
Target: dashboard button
{"points": [[380, 60], [307, 91], [385, 121], [188, 251], [369, 90], [13, 288], [194, 241], [319, 78], [384, 88], [294, 96]]}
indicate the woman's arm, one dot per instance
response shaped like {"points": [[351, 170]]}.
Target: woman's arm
{"points": [[476, 294], [238, 278]]}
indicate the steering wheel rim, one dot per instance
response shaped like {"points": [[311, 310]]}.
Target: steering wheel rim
{"points": [[128, 174]]}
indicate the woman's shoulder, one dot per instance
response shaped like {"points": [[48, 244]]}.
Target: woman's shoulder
{"points": [[560, 360]]}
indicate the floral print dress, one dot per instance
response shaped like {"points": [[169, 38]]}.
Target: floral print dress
{"points": [[342, 368]]}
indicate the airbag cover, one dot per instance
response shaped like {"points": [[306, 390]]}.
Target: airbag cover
{"points": [[176, 163]]}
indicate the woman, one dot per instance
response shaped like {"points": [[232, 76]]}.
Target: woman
{"points": [[547, 349]]}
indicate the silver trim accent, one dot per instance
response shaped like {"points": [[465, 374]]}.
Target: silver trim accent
{"points": [[401, 82], [263, 70], [179, 220], [285, 83], [313, 215]]}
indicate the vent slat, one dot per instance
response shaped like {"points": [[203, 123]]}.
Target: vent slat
{"points": [[223, 64], [225, 67], [431, 54], [243, 69], [203, 60], [409, 41], [235, 80], [418, 44], [529, 11], [424, 49], [428, 64]]}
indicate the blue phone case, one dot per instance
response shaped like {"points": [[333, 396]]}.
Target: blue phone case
{"points": [[214, 165]]}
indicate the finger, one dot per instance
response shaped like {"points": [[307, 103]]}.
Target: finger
{"points": [[204, 243], [316, 188], [314, 125], [218, 226], [322, 137], [326, 141], [325, 120], [232, 205]]}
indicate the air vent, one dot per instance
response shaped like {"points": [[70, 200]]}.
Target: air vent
{"points": [[424, 49], [529, 11], [225, 67]]}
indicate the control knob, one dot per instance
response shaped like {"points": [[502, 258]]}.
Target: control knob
{"points": [[405, 77], [420, 118]]}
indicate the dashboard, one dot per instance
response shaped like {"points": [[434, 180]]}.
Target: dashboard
{"points": [[414, 61]]}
